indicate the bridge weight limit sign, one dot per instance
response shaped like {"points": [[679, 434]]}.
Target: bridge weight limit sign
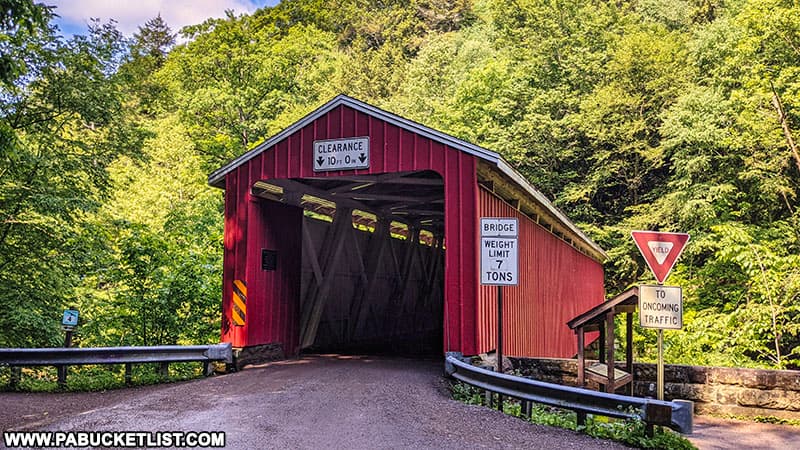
{"points": [[499, 265], [499, 255]]}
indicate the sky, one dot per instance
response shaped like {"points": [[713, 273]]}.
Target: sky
{"points": [[130, 14]]}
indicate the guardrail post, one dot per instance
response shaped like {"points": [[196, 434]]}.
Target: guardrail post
{"points": [[62, 377], [16, 374], [581, 419], [128, 377], [527, 409], [163, 369], [207, 368]]}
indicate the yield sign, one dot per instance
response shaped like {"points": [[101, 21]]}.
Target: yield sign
{"points": [[660, 250]]}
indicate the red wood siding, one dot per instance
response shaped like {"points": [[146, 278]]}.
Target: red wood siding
{"points": [[556, 284], [251, 223]]}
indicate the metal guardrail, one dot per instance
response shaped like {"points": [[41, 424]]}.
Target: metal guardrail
{"points": [[676, 414], [114, 355], [63, 357]]}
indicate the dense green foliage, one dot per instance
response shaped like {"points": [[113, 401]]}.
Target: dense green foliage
{"points": [[62, 124], [674, 115]]}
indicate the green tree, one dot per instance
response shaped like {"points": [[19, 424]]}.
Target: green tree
{"points": [[148, 53], [64, 123], [160, 233], [20, 21], [731, 182], [235, 84], [155, 38]]}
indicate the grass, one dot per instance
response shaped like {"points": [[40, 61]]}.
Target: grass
{"points": [[630, 432], [760, 419], [773, 420], [96, 377]]}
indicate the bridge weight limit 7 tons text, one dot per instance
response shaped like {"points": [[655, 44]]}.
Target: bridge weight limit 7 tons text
{"points": [[499, 256]]}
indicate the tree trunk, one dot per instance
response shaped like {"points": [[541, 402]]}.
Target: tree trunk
{"points": [[776, 102]]}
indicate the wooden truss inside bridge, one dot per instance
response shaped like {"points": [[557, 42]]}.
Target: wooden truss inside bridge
{"points": [[372, 260]]}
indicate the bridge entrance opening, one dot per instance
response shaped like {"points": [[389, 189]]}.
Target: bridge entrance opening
{"points": [[372, 261]]}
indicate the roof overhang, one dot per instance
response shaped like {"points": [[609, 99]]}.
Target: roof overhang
{"points": [[489, 158], [595, 316]]}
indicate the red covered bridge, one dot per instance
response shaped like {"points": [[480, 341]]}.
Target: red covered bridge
{"points": [[357, 230]]}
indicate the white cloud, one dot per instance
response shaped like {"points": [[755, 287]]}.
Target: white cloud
{"points": [[75, 14]]}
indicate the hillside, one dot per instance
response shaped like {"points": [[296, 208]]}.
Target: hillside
{"points": [[673, 115]]}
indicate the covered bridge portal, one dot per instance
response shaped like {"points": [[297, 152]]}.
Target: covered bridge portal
{"points": [[377, 249]]}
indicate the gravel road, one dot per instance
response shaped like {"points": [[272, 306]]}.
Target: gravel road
{"points": [[330, 402]]}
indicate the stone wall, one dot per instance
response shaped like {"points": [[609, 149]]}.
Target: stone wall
{"points": [[715, 390]]}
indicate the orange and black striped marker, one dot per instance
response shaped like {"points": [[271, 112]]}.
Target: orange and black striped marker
{"points": [[239, 311]]}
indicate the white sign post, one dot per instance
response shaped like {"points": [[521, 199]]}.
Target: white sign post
{"points": [[341, 154], [499, 267]]}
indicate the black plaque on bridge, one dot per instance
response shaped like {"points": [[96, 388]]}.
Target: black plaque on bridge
{"points": [[269, 259]]}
